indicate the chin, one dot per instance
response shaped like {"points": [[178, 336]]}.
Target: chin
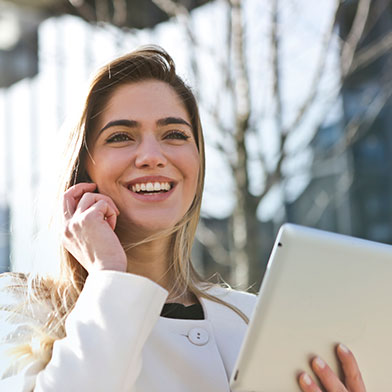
{"points": [[146, 227]]}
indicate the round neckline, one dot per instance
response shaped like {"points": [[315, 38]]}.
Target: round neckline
{"points": [[179, 311]]}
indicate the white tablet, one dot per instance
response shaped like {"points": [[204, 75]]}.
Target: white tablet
{"points": [[319, 289]]}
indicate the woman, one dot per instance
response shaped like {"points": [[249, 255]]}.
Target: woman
{"points": [[128, 312]]}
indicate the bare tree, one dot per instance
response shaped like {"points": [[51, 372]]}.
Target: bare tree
{"points": [[232, 62], [244, 228]]}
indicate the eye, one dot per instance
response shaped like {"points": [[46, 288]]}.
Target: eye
{"points": [[177, 135], [118, 137]]}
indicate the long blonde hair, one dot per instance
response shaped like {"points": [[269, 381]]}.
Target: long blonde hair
{"points": [[143, 64]]}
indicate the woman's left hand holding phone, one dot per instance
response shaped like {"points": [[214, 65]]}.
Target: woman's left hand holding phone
{"points": [[90, 219]]}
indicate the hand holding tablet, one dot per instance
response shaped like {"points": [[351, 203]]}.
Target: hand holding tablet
{"points": [[353, 381], [320, 289]]}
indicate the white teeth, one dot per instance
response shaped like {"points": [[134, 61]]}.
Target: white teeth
{"points": [[151, 187]]}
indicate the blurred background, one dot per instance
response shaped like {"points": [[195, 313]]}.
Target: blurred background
{"points": [[295, 98]]}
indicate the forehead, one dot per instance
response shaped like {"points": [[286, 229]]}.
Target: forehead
{"points": [[143, 101]]}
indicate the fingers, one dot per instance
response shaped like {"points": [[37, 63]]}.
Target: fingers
{"points": [[328, 378], [72, 196], [108, 213], [103, 205], [89, 224], [307, 384], [79, 197], [353, 377], [89, 199]]}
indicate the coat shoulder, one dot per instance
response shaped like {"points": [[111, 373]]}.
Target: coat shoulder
{"points": [[242, 300]]}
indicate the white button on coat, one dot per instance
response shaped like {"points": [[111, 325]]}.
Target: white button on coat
{"points": [[198, 336]]}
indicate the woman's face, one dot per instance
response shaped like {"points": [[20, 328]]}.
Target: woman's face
{"points": [[144, 156]]}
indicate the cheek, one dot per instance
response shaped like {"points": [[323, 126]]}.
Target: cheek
{"points": [[104, 167], [191, 170]]}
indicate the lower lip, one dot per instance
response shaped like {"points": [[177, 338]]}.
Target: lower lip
{"points": [[154, 197]]}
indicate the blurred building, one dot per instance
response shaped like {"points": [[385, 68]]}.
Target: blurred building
{"points": [[350, 189], [4, 239], [47, 52], [351, 186], [212, 260], [20, 20]]}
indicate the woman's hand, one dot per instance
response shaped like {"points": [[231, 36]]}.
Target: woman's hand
{"points": [[90, 220], [352, 376]]}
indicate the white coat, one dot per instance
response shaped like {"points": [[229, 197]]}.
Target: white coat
{"points": [[116, 341]]}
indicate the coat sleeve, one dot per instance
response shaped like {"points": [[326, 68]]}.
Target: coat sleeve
{"points": [[105, 335]]}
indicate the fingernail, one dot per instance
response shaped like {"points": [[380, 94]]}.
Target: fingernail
{"points": [[343, 348], [306, 379], [319, 363]]}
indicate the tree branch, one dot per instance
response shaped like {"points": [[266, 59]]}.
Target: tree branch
{"points": [[213, 244], [102, 10], [120, 12], [354, 36], [242, 104], [240, 68], [321, 63], [322, 201], [276, 93], [275, 176], [372, 52], [84, 10], [360, 125]]}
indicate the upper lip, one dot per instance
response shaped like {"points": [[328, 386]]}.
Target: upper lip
{"points": [[152, 179]]}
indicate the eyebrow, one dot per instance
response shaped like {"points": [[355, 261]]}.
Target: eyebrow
{"points": [[134, 124], [172, 120]]}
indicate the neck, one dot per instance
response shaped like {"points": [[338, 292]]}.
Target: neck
{"points": [[153, 260]]}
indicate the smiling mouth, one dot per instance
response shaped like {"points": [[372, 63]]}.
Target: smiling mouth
{"points": [[150, 188]]}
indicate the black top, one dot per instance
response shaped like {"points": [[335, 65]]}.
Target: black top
{"points": [[180, 311]]}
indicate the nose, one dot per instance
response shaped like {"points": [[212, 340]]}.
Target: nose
{"points": [[149, 154]]}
